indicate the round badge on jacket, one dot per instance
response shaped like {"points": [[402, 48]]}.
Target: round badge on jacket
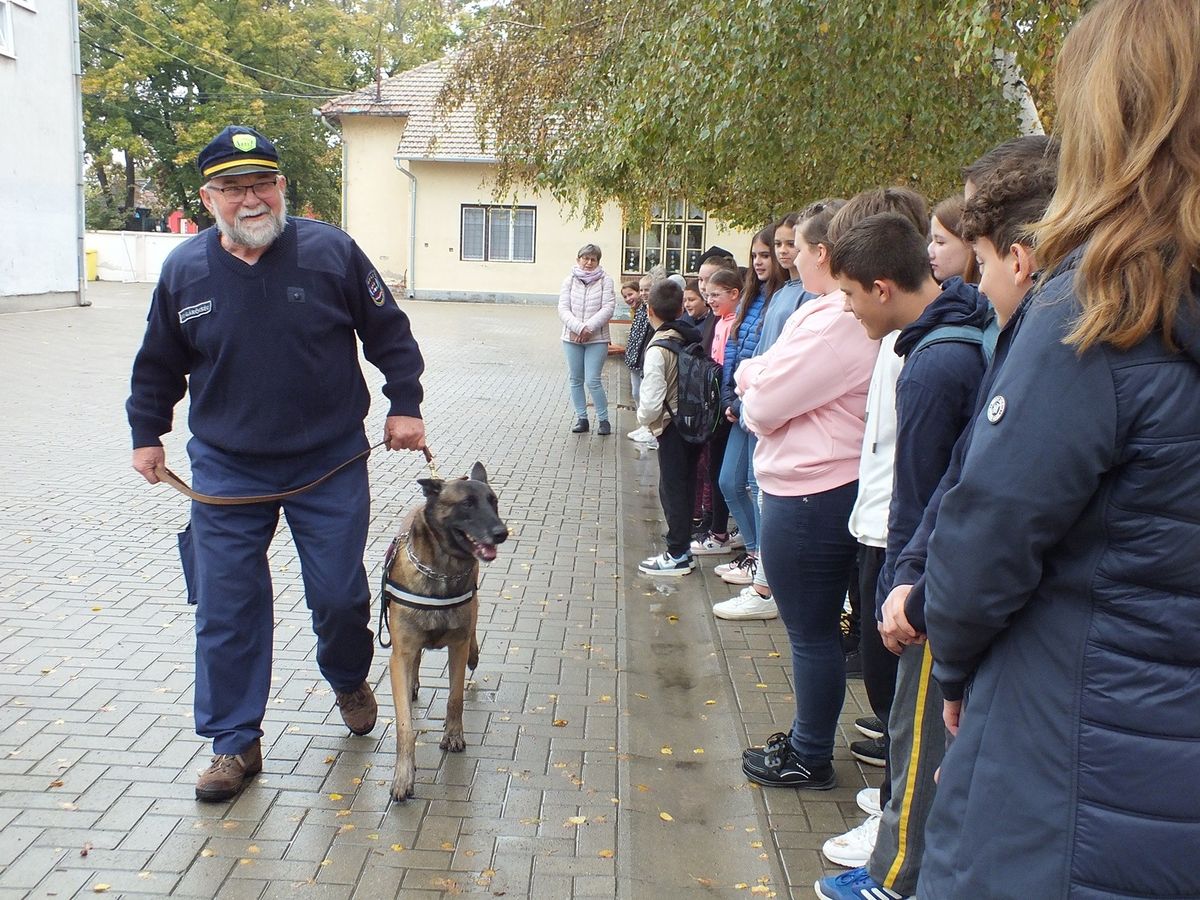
{"points": [[995, 410]]}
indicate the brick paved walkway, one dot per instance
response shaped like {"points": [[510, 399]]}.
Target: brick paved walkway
{"points": [[603, 727]]}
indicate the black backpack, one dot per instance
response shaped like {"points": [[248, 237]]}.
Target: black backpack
{"points": [[698, 404]]}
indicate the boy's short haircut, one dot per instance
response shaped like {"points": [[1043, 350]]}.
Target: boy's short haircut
{"points": [[883, 247], [1008, 202], [872, 202], [692, 283], [1027, 151], [666, 301]]}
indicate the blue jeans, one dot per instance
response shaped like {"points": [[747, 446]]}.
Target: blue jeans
{"points": [[235, 620], [585, 362], [809, 552], [738, 485]]}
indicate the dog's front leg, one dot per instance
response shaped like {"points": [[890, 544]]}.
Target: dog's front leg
{"points": [[453, 740], [400, 667]]}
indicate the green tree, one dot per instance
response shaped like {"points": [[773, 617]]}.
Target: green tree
{"points": [[747, 107], [161, 77]]}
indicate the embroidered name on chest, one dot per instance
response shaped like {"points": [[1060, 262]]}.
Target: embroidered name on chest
{"points": [[191, 312]]}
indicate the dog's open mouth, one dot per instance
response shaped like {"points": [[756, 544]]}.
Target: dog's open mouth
{"points": [[486, 552]]}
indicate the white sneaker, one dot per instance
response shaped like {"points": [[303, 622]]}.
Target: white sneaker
{"points": [[641, 434], [711, 545], [736, 541], [868, 801], [748, 604], [651, 444], [853, 849], [740, 571]]}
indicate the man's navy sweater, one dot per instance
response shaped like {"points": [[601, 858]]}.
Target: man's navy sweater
{"points": [[268, 352], [935, 400]]}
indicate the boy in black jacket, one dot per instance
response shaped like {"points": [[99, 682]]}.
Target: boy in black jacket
{"points": [[676, 457], [882, 265]]}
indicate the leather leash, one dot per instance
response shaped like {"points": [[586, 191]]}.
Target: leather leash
{"points": [[166, 475]]}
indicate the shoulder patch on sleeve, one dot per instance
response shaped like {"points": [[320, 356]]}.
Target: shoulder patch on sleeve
{"points": [[375, 288]]}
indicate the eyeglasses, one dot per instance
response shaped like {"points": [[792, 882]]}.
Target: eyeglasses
{"points": [[237, 192], [713, 295]]}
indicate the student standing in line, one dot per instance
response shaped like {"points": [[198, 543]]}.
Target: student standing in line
{"points": [[805, 399], [882, 265], [763, 279], [1073, 769], [754, 601]]}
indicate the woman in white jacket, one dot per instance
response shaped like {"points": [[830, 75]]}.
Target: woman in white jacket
{"points": [[585, 304]]}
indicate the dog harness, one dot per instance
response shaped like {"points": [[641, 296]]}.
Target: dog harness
{"points": [[390, 592]]}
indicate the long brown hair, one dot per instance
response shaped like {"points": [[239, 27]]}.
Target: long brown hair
{"points": [[750, 288], [1128, 91]]}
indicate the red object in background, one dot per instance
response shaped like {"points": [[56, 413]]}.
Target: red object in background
{"points": [[177, 224]]}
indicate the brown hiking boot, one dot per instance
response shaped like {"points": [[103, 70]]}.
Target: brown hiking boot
{"points": [[228, 774], [358, 708]]}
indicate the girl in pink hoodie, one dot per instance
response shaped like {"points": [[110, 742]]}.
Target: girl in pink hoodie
{"points": [[805, 399]]}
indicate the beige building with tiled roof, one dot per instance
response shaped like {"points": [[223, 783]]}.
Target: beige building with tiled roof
{"points": [[417, 196]]}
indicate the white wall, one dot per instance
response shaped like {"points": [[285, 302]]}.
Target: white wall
{"points": [[39, 162], [131, 255]]}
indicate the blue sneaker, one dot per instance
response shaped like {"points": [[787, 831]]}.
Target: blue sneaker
{"points": [[856, 884]]}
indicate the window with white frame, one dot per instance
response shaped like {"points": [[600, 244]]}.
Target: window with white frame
{"points": [[6, 29], [673, 236], [498, 233]]}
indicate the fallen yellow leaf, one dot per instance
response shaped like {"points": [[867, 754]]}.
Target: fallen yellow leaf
{"points": [[774, 654], [698, 750], [756, 844], [666, 817], [666, 751], [740, 886], [398, 848], [336, 797], [100, 887], [760, 685], [560, 723], [710, 702], [208, 852], [577, 820], [446, 845], [605, 854], [643, 788]]}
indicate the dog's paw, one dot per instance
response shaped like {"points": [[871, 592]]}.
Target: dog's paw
{"points": [[453, 742], [401, 792], [405, 780]]}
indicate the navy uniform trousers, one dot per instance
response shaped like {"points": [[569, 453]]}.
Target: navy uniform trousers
{"points": [[229, 580]]}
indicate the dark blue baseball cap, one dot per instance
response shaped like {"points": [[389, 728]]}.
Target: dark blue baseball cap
{"points": [[237, 150]]}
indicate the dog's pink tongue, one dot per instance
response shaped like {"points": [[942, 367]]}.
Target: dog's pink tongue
{"points": [[486, 552]]}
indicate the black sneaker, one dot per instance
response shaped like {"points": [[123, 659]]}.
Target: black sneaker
{"points": [[870, 726], [580, 427], [872, 751], [785, 769], [853, 664], [755, 755], [605, 428]]}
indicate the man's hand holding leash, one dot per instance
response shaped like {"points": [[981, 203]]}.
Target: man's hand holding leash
{"points": [[403, 433]]}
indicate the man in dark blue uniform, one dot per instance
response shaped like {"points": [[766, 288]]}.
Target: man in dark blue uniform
{"points": [[259, 320]]}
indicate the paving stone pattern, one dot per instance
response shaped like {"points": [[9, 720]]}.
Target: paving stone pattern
{"points": [[587, 670]]}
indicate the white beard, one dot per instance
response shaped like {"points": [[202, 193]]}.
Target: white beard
{"points": [[257, 233]]}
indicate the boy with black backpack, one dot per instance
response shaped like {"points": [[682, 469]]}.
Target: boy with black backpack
{"points": [[679, 404]]}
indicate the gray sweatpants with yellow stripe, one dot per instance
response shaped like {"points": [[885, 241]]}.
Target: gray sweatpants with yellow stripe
{"points": [[918, 743]]}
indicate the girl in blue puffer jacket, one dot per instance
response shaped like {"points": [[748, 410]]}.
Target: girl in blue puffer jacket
{"points": [[764, 277]]}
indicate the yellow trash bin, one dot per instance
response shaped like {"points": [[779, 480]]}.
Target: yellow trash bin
{"points": [[90, 263]]}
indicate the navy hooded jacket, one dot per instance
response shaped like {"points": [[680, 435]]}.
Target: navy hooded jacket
{"points": [[1063, 584], [935, 400]]}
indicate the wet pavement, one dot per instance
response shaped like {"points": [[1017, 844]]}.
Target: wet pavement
{"points": [[604, 725]]}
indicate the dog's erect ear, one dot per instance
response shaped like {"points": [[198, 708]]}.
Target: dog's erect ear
{"points": [[479, 473], [431, 486]]}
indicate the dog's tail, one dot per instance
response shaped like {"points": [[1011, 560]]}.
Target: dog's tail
{"points": [[473, 656]]}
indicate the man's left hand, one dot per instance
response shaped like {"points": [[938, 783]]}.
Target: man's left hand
{"points": [[895, 629], [404, 433]]}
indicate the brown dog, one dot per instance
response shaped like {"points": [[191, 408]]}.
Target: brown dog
{"points": [[431, 576]]}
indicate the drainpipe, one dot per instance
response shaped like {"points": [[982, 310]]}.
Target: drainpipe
{"points": [[77, 79], [412, 226]]}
